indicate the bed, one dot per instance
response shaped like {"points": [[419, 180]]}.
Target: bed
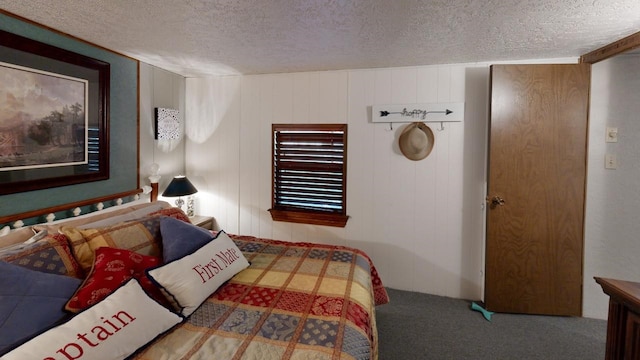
{"points": [[141, 282]]}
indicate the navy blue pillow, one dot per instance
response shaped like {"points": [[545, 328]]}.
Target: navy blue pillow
{"points": [[30, 302], [180, 238]]}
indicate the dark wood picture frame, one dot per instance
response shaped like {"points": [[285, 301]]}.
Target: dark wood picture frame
{"points": [[21, 51]]}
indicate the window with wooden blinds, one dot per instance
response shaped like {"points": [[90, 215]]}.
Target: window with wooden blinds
{"points": [[310, 173]]}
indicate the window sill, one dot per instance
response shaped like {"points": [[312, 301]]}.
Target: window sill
{"points": [[312, 218]]}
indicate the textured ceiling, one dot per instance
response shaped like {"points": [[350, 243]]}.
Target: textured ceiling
{"points": [[201, 37]]}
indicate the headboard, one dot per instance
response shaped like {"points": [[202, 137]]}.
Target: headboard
{"points": [[15, 221], [49, 214]]}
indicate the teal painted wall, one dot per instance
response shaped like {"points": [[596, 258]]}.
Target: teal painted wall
{"points": [[123, 126]]}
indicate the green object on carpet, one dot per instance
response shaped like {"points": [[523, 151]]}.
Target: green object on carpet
{"points": [[486, 313]]}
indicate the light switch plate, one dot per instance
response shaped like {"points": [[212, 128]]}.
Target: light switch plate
{"points": [[612, 135], [610, 161]]}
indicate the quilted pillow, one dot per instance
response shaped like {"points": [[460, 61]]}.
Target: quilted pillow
{"points": [[173, 212], [112, 268], [31, 302], [191, 279], [112, 329], [52, 255], [180, 238], [141, 236]]}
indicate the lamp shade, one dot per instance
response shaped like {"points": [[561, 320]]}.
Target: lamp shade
{"points": [[179, 186]]}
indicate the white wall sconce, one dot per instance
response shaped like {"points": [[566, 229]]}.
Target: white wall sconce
{"points": [[167, 124]]}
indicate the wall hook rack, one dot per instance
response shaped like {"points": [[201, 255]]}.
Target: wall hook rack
{"points": [[426, 112], [415, 113]]}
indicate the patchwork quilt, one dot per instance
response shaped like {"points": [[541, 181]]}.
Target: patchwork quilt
{"points": [[295, 301]]}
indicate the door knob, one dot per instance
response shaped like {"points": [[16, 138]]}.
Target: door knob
{"points": [[497, 201]]}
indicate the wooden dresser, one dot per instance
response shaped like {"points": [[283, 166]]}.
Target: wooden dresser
{"points": [[623, 325]]}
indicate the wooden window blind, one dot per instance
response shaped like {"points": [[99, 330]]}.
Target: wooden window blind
{"points": [[309, 173]]}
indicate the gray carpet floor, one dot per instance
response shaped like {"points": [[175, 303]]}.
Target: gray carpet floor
{"points": [[420, 326]]}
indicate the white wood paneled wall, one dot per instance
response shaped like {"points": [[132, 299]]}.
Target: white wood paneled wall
{"points": [[160, 88], [611, 224], [421, 222], [212, 149]]}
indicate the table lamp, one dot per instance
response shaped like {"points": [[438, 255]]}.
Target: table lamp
{"points": [[179, 186]]}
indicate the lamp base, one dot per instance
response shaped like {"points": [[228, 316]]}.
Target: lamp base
{"points": [[190, 206], [179, 203]]}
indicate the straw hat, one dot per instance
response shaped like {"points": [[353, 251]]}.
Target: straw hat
{"points": [[416, 141]]}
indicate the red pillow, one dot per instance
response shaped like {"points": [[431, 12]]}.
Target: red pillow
{"points": [[113, 267]]}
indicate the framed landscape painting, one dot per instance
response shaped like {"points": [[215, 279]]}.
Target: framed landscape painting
{"points": [[43, 119], [54, 116]]}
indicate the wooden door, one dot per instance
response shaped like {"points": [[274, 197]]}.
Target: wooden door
{"points": [[536, 188]]}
